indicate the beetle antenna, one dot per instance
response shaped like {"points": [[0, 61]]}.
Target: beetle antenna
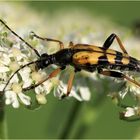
{"points": [[37, 53]]}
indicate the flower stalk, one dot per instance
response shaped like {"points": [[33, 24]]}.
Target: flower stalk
{"points": [[3, 127]]}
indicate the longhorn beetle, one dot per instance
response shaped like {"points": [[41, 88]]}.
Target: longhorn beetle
{"points": [[86, 57]]}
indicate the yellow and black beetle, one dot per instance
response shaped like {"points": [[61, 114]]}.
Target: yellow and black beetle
{"points": [[83, 57]]}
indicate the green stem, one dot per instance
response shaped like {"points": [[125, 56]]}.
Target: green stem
{"points": [[71, 120], [3, 127]]}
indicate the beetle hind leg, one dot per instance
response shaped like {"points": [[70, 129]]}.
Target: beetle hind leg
{"points": [[117, 75], [110, 40]]}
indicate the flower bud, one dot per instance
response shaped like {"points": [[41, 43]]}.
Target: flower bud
{"points": [[14, 66], [16, 52], [41, 99], [36, 76], [17, 88]]}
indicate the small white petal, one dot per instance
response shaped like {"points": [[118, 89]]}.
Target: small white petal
{"points": [[39, 89], [3, 49], [14, 79], [2, 86], [75, 95], [25, 99], [14, 99], [15, 104], [57, 92], [5, 59], [11, 98], [8, 101], [123, 93], [85, 93], [129, 112], [62, 89], [3, 77], [47, 85], [19, 57], [9, 93], [25, 73], [27, 83], [3, 69], [16, 47]]}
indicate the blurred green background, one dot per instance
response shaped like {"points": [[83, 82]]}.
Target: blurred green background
{"points": [[97, 118]]}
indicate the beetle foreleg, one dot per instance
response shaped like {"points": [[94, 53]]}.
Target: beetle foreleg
{"points": [[51, 75], [70, 81], [49, 39]]}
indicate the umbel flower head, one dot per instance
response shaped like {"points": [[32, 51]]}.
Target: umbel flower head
{"points": [[13, 57]]}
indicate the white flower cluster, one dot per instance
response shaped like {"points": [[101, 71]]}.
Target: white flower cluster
{"points": [[128, 90], [78, 92], [13, 57], [134, 92], [131, 111]]}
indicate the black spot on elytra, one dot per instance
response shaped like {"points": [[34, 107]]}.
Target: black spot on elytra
{"points": [[103, 60], [118, 58]]}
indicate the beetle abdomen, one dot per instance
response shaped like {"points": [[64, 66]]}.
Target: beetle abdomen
{"points": [[88, 60]]}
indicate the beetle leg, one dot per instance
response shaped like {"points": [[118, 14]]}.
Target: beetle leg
{"points": [[51, 75], [110, 73], [49, 39], [70, 81], [110, 40], [117, 75]]}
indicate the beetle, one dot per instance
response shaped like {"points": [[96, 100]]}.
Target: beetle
{"points": [[86, 57]]}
